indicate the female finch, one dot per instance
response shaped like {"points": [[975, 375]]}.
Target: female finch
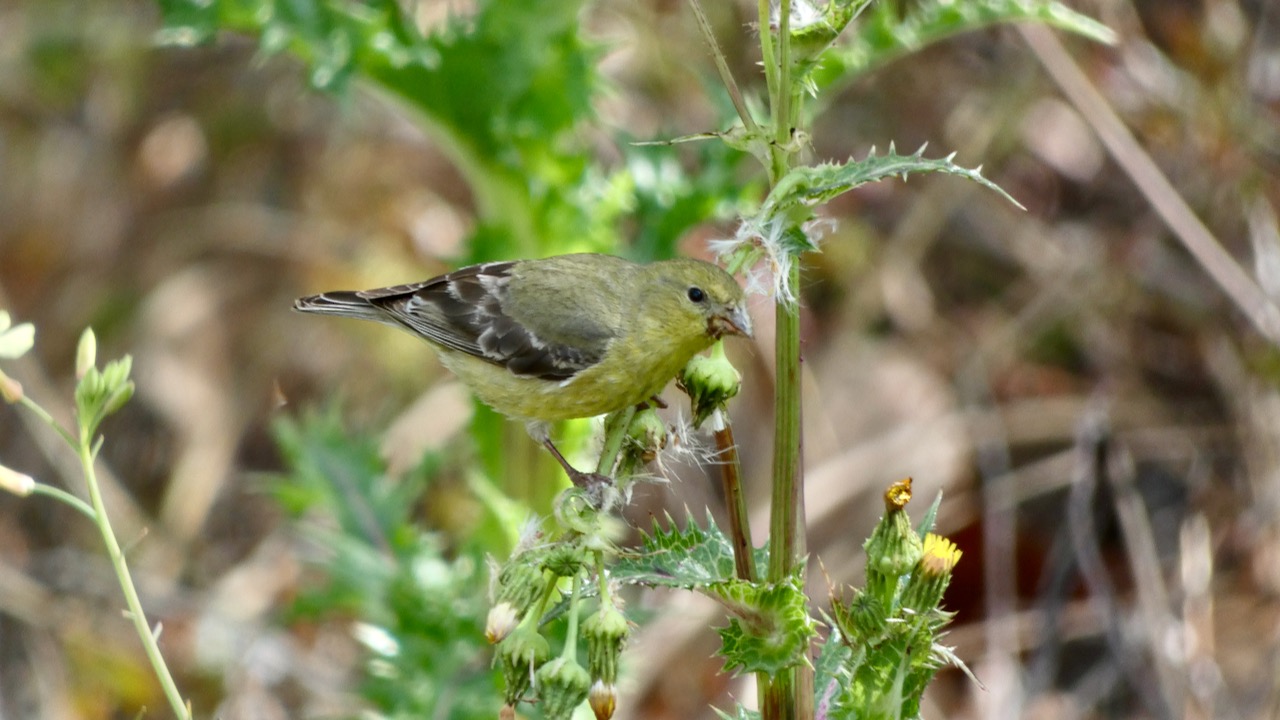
{"points": [[564, 337]]}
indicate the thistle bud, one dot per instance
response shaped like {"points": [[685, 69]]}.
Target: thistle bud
{"points": [[501, 621], [562, 684], [565, 560], [519, 655], [520, 584], [932, 574], [603, 699], [709, 380], [862, 620], [646, 435], [894, 547], [606, 632]]}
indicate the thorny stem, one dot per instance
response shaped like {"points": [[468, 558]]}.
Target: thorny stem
{"points": [[788, 695], [786, 541]]}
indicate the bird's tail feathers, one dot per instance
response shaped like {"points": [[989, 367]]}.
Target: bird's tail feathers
{"points": [[342, 303]]}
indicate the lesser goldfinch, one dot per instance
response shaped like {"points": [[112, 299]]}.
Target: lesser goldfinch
{"points": [[564, 337]]}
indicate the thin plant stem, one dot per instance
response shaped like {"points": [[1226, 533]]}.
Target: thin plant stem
{"points": [[722, 66], [44, 415], [136, 614], [613, 442], [782, 101], [66, 497], [766, 49], [739, 529], [571, 641]]}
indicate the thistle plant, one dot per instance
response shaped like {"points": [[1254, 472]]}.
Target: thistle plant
{"points": [[98, 394], [882, 644]]}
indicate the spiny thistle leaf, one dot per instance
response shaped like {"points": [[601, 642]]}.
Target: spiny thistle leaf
{"points": [[694, 558], [882, 35], [812, 185], [832, 670]]}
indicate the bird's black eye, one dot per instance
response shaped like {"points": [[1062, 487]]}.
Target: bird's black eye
{"points": [[696, 294]]}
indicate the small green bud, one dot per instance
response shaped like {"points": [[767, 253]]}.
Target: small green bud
{"points": [[606, 632], [86, 353], [603, 699], [863, 619], [562, 684], [710, 381], [116, 374], [119, 396], [565, 560], [646, 435], [894, 547], [521, 583], [519, 655]]}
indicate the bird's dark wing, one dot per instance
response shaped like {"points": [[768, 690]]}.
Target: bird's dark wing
{"points": [[469, 311]]}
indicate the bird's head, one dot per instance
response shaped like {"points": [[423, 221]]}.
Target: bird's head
{"points": [[708, 296]]}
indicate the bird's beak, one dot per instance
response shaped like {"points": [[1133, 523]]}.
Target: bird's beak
{"points": [[735, 321]]}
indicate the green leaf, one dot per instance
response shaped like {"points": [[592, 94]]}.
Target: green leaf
{"points": [[831, 671], [772, 627], [805, 187], [15, 340], [504, 90], [883, 36], [693, 558], [927, 522]]}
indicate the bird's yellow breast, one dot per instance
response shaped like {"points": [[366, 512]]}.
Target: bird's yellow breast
{"points": [[629, 374]]}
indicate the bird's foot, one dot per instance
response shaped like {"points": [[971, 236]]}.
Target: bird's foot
{"points": [[653, 402], [588, 481], [592, 482]]}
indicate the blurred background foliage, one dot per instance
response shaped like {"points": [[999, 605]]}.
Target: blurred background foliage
{"points": [[1102, 417]]}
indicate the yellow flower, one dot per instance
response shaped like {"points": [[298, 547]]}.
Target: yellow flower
{"points": [[940, 556]]}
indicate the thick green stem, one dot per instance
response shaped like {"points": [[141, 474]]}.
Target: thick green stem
{"points": [[786, 697], [786, 540], [149, 644]]}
